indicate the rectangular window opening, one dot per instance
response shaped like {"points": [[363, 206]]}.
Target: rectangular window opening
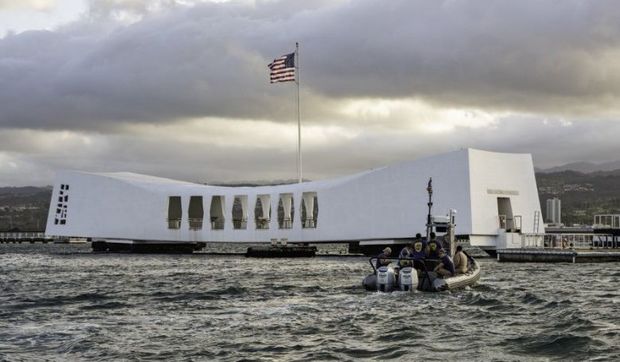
{"points": [[216, 212], [262, 212], [175, 212], [240, 212], [286, 211], [504, 210], [309, 210], [195, 213]]}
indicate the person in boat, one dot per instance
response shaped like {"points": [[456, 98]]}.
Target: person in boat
{"points": [[382, 259], [460, 261], [405, 256], [420, 248], [446, 267], [434, 246]]}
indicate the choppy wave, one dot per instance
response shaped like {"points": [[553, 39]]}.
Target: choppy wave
{"points": [[69, 304]]}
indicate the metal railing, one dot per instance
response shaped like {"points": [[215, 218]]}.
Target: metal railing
{"points": [[510, 223], [174, 223], [607, 221], [309, 224], [195, 223], [262, 224], [24, 236], [286, 224], [569, 241], [217, 224], [240, 224]]}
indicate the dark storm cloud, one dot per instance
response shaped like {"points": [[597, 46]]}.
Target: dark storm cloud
{"points": [[210, 60], [525, 55]]}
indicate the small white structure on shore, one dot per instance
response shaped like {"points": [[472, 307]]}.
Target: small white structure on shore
{"points": [[492, 192], [554, 211]]}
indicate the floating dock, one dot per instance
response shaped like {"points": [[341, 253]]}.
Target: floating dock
{"points": [[139, 247], [281, 251], [558, 255]]}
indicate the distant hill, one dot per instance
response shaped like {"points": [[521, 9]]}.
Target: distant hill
{"points": [[26, 190], [584, 167], [583, 195], [24, 208]]}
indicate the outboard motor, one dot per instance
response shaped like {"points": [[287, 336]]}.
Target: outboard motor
{"points": [[385, 279], [408, 279]]}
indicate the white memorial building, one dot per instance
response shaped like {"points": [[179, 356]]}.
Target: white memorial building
{"points": [[493, 193]]}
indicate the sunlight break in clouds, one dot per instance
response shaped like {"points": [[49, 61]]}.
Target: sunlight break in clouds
{"points": [[37, 5], [416, 114]]}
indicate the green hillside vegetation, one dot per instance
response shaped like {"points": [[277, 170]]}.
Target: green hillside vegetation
{"points": [[583, 195], [24, 208]]}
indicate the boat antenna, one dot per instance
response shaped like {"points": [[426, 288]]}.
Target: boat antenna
{"points": [[429, 188]]}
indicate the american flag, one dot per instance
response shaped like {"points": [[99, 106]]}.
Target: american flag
{"points": [[283, 69]]}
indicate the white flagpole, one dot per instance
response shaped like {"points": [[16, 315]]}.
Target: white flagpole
{"points": [[299, 168]]}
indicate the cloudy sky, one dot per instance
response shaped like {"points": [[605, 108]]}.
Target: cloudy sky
{"points": [[181, 89]]}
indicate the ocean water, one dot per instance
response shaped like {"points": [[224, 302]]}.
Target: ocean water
{"points": [[61, 302]]}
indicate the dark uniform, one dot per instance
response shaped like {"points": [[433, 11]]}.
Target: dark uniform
{"points": [[419, 249], [446, 267], [433, 249]]}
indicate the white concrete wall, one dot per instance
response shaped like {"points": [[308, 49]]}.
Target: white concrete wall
{"points": [[385, 203], [496, 175]]}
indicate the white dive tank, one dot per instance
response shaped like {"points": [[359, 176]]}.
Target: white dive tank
{"points": [[385, 279], [408, 279]]}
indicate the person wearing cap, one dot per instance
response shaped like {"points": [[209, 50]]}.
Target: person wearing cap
{"points": [[381, 258], [446, 267], [420, 247], [460, 261], [434, 246]]}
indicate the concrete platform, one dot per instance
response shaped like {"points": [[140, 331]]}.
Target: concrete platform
{"points": [[558, 255]]}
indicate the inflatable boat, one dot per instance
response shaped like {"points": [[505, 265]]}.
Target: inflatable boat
{"points": [[407, 274], [419, 277]]}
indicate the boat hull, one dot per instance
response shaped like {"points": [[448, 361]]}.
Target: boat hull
{"points": [[429, 282], [459, 281]]}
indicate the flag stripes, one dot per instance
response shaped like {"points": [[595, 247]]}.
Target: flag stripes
{"points": [[283, 69]]}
